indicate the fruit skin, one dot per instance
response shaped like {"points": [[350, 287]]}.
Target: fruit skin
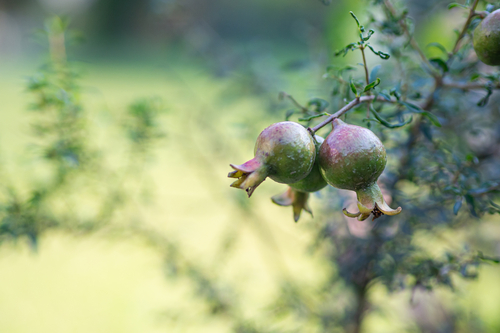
{"points": [[297, 193], [284, 151], [314, 180], [486, 40], [352, 158]]}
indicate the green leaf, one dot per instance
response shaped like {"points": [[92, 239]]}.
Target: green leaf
{"points": [[345, 50], [288, 114], [458, 205], [374, 72], [370, 33], [416, 109], [481, 256], [475, 76], [381, 54], [320, 104], [438, 46], [385, 96], [440, 63], [347, 68], [353, 89], [355, 18], [494, 205], [485, 99], [472, 204], [395, 93], [314, 116], [432, 118], [372, 85], [454, 4], [411, 107], [385, 122]]}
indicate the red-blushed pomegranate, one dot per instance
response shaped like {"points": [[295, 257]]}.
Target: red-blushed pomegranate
{"points": [[352, 158], [284, 152], [298, 193]]}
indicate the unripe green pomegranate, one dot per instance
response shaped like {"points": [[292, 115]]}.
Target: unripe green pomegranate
{"points": [[352, 158], [284, 151], [486, 40], [297, 194], [314, 180]]}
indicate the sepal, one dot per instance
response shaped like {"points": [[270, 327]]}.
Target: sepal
{"points": [[298, 201]]}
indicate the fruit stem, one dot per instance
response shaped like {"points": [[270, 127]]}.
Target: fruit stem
{"points": [[370, 195]]}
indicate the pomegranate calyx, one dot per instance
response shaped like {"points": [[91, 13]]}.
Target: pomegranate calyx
{"points": [[298, 201], [250, 175]]}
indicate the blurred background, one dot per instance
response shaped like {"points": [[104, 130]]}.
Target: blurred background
{"points": [[126, 222]]}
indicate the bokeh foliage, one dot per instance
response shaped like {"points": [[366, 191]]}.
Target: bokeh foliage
{"points": [[440, 130]]}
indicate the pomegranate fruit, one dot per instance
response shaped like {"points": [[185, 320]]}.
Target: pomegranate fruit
{"points": [[284, 152], [486, 40], [352, 158], [298, 193]]}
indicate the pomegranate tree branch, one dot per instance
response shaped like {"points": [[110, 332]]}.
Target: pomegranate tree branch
{"points": [[472, 13], [349, 106]]}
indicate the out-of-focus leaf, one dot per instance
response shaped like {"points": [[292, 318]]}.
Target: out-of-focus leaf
{"points": [[355, 18], [381, 54], [289, 113], [438, 46], [385, 96], [485, 99], [472, 204], [353, 89], [440, 63], [395, 93], [374, 72], [475, 76], [385, 122], [432, 118], [481, 256], [345, 50], [458, 205], [416, 109], [320, 104], [454, 4], [314, 116], [411, 107], [370, 33]]}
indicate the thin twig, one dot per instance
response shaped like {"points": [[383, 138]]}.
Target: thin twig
{"points": [[472, 13], [294, 101], [470, 85], [367, 77], [405, 158], [349, 106], [412, 40]]}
